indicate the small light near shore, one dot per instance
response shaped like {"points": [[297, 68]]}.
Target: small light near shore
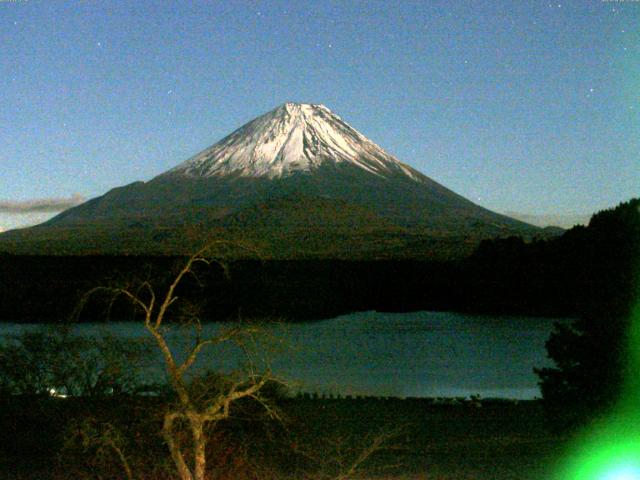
{"points": [[55, 393]]}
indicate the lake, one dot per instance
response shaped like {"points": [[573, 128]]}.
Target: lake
{"points": [[419, 354]]}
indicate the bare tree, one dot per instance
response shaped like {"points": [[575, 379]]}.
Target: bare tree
{"points": [[343, 458], [193, 412], [102, 441]]}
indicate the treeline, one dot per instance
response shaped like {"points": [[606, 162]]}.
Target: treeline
{"points": [[585, 267], [586, 270], [43, 288]]}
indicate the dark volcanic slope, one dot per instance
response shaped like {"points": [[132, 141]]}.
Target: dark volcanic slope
{"points": [[401, 200]]}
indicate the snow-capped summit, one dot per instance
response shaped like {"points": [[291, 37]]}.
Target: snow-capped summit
{"points": [[293, 137]]}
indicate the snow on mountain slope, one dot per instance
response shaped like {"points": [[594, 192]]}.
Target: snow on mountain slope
{"points": [[293, 137]]}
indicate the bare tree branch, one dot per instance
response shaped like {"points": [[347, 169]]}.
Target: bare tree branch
{"points": [[191, 412]]}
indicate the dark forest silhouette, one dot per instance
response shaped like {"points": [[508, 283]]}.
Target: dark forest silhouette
{"points": [[584, 269]]}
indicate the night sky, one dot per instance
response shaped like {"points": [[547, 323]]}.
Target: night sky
{"points": [[520, 106]]}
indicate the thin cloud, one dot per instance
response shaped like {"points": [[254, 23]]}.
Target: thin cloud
{"points": [[41, 205], [551, 220]]}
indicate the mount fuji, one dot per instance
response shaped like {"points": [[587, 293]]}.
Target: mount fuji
{"points": [[297, 178]]}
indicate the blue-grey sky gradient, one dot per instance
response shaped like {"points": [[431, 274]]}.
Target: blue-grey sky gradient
{"points": [[528, 106]]}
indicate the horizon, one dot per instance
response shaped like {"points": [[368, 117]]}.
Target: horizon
{"points": [[519, 108]]}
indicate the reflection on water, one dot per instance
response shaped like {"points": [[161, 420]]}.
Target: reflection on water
{"points": [[425, 354]]}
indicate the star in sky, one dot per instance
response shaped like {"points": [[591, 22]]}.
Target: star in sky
{"points": [[513, 97]]}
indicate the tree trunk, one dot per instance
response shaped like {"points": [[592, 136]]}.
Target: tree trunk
{"points": [[199, 445], [167, 432]]}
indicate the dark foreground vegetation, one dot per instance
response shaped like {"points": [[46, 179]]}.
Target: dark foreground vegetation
{"points": [[316, 439], [596, 356]]}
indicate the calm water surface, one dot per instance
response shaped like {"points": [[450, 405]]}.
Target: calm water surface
{"points": [[425, 354]]}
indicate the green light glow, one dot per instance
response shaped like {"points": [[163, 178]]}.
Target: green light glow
{"points": [[610, 450], [626, 472]]}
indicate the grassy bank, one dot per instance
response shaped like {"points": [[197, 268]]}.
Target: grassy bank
{"points": [[472, 440]]}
